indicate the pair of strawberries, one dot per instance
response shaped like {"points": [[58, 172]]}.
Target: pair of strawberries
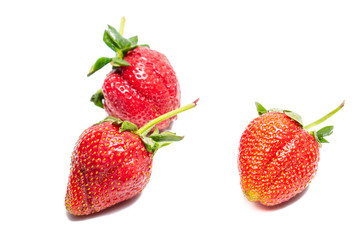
{"points": [[112, 159]]}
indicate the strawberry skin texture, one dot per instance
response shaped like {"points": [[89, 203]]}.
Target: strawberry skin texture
{"points": [[277, 159], [143, 91], [107, 167]]}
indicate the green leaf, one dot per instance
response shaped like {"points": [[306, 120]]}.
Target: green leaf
{"points": [[117, 38], [117, 62], [113, 120], [97, 98], [294, 116], [323, 140], [120, 45], [152, 145], [128, 126], [325, 131], [166, 137], [155, 148], [319, 135], [260, 109], [126, 50], [133, 40], [162, 144], [158, 140], [110, 42], [101, 62], [148, 143]]}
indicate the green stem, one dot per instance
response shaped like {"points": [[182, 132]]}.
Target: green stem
{"points": [[307, 127], [122, 25], [155, 121]]}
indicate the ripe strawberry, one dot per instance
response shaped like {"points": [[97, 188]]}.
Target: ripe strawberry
{"points": [[112, 161], [142, 85], [278, 157]]}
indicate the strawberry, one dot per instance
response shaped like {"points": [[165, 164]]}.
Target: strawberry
{"points": [[142, 85], [278, 156], [112, 161]]}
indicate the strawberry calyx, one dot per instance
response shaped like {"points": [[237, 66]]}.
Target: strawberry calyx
{"points": [[318, 135], [155, 140], [294, 116], [120, 45], [152, 142]]}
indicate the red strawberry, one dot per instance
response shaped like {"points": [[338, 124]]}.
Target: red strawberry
{"points": [[112, 161], [142, 86], [278, 157]]}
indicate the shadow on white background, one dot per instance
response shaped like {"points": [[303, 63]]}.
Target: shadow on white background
{"points": [[113, 209], [288, 203]]}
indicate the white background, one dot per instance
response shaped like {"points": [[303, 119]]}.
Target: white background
{"points": [[297, 55]]}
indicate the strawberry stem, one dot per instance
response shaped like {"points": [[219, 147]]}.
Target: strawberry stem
{"points": [[122, 25], [155, 121], [317, 122]]}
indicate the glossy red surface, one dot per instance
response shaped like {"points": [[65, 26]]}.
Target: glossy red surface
{"points": [[277, 159], [107, 167], [143, 91]]}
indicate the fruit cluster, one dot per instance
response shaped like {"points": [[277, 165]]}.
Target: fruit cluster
{"points": [[112, 159]]}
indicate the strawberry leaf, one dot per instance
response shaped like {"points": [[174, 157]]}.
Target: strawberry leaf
{"points": [[165, 137], [110, 41], [119, 44], [155, 148], [126, 50], [134, 40], [148, 143], [294, 116], [117, 62], [97, 98], [117, 38], [101, 62], [158, 140], [113, 120], [260, 109], [319, 135], [325, 131], [128, 126]]}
